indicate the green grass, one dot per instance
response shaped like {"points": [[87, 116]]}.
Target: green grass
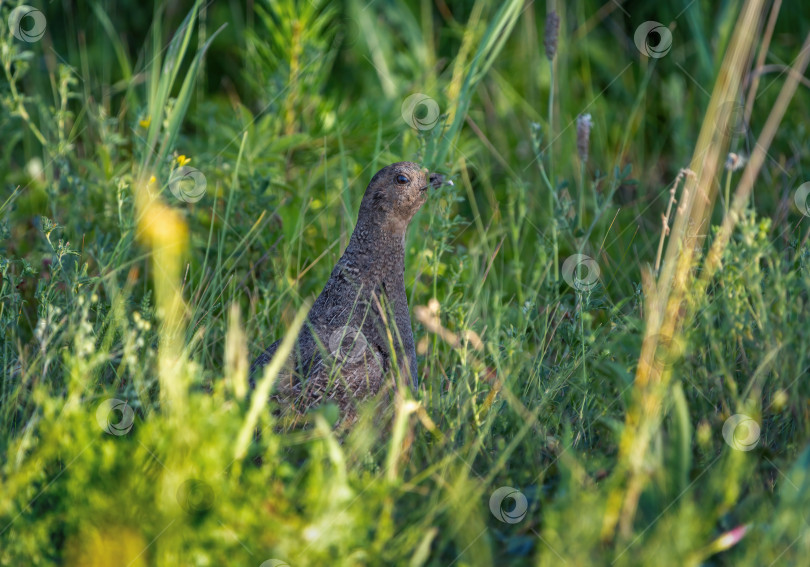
{"points": [[117, 286]]}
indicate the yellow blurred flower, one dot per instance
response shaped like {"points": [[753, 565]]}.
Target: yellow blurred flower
{"points": [[111, 545], [145, 122], [182, 160]]}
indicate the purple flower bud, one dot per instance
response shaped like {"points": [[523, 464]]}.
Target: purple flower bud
{"points": [[552, 29]]}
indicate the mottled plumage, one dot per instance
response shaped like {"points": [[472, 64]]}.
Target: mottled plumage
{"points": [[343, 353]]}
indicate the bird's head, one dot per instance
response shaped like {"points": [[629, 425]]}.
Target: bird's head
{"points": [[396, 192]]}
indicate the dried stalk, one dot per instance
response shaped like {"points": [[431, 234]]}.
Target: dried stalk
{"points": [[664, 304]]}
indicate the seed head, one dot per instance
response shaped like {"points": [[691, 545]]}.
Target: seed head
{"points": [[735, 161], [552, 29], [584, 124]]}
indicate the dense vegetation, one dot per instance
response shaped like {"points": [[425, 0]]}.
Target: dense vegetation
{"points": [[177, 182]]}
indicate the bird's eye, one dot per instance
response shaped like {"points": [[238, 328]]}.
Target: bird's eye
{"points": [[402, 179]]}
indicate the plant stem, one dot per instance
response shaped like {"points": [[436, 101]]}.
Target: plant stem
{"points": [[727, 195], [551, 116], [581, 193], [552, 199], [582, 333]]}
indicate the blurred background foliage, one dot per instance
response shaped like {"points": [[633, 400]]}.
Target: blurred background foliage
{"points": [[292, 109]]}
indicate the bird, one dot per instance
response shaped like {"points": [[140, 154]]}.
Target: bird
{"points": [[358, 333]]}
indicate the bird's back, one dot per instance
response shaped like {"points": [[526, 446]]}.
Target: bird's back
{"points": [[339, 355]]}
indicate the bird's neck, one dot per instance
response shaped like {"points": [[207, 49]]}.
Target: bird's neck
{"points": [[377, 252]]}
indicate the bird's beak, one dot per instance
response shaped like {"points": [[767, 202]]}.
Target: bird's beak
{"points": [[437, 180]]}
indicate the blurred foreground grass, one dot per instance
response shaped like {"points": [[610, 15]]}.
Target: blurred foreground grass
{"points": [[177, 184]]}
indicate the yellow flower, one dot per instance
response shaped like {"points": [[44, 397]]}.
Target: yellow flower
{"points": [[145, 122], [182, 160], [152, 180]]}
